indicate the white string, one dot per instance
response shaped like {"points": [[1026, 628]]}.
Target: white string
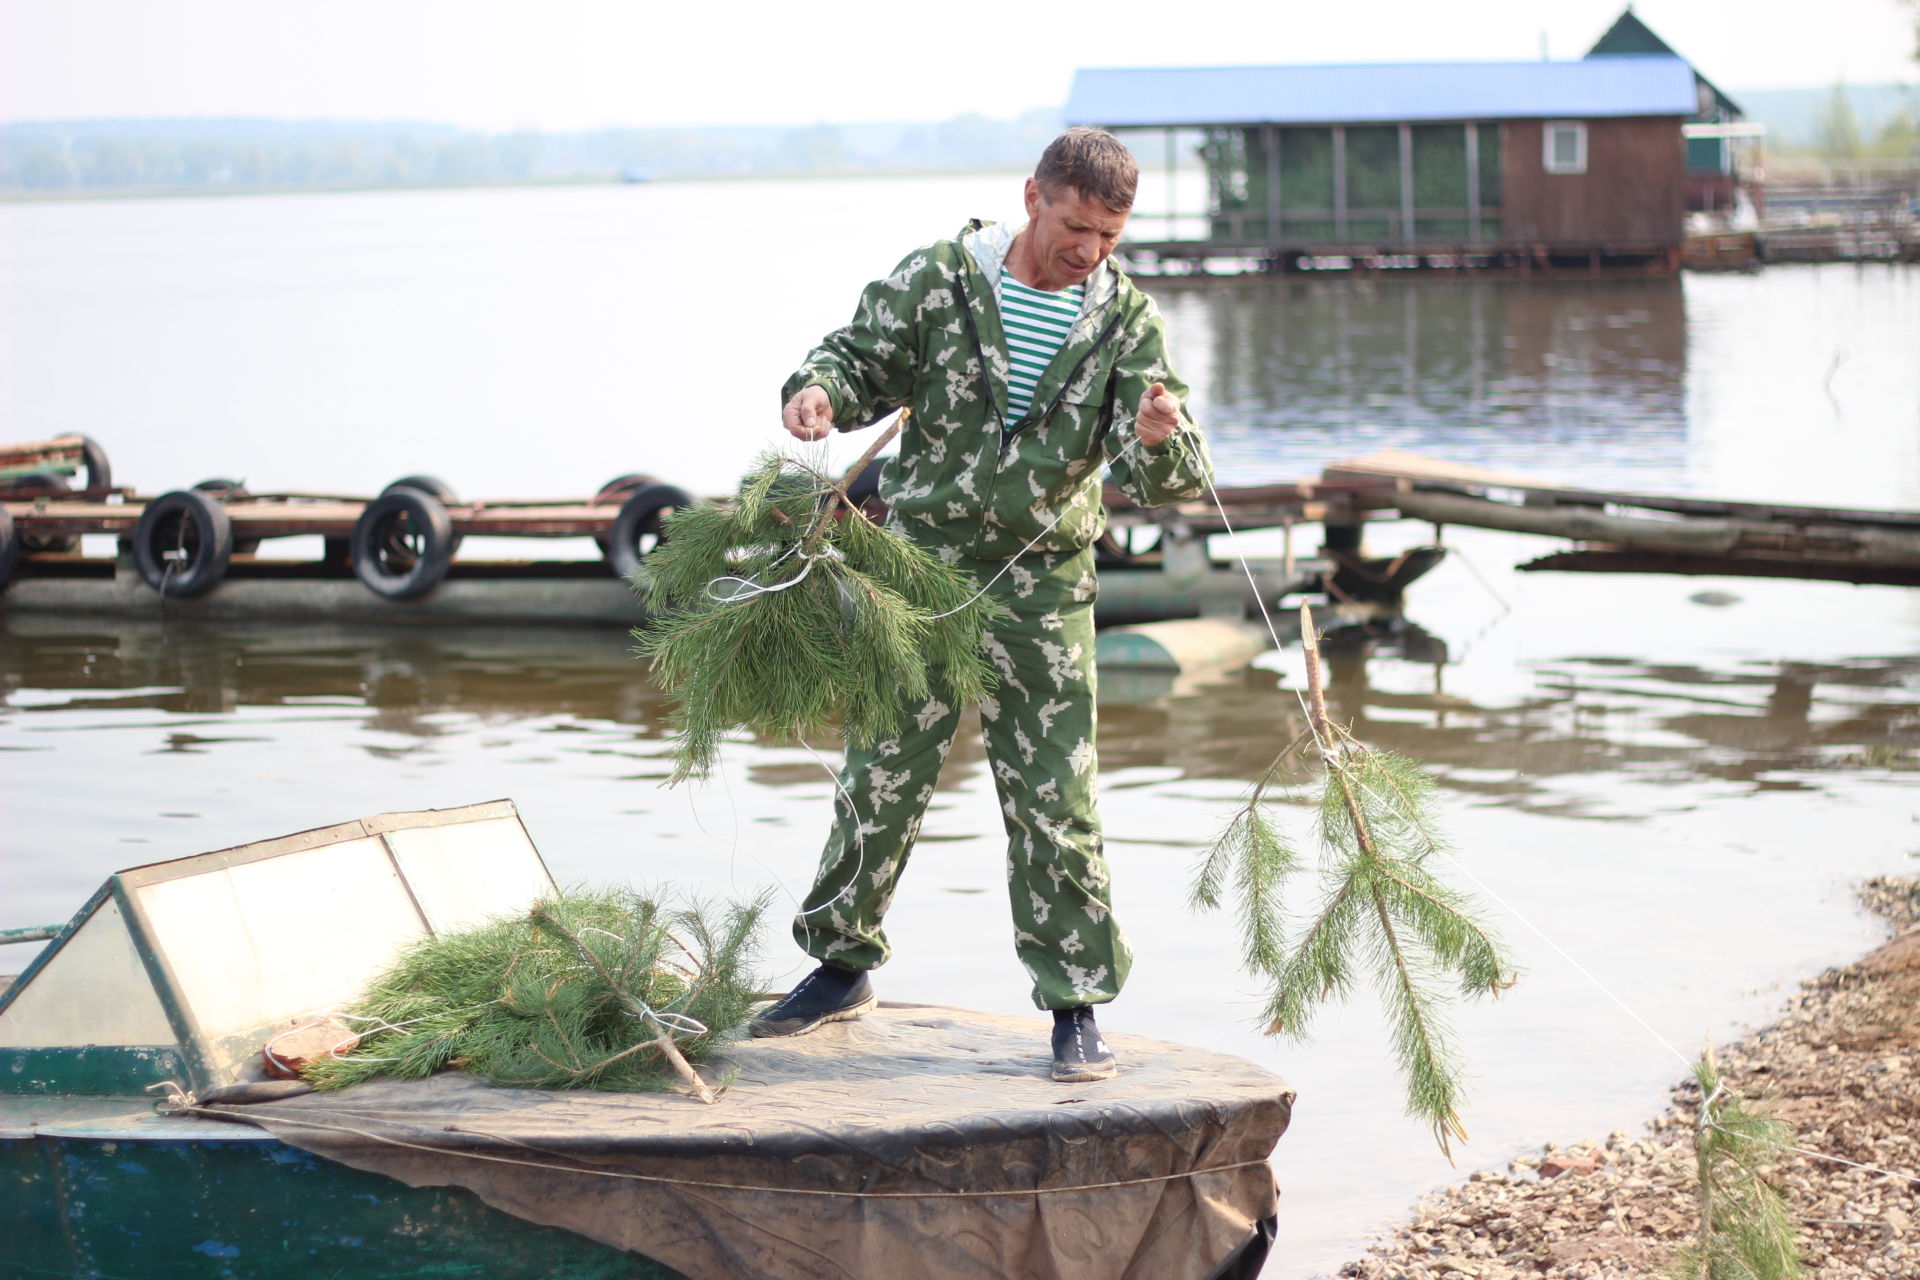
{"points": [[1821, 1155], [1706, 1120], [1125, 449], [1584, 972], [859, 840], [182, 1101], [1273, 631], [749, 588], [1245, 567], [853, 810]]}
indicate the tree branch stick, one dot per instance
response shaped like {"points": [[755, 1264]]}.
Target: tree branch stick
{"points": [[668, 1049], [1323, 730], [839, 490]]}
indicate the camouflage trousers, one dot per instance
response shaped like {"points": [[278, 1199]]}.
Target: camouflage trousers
{"points": [[1039, 730]]}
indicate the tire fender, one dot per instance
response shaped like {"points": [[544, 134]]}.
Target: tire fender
{"points": [[433, 487], [641, 518], [402, 544], [182, 543], [9, 549]]}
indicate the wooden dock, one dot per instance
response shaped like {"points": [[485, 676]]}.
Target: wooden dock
{"points": [[1231, 256], [195, 553], [1622, 532], [391, 557]]}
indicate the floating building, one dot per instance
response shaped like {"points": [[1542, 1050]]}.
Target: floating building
{"points": [[1518, 165]]}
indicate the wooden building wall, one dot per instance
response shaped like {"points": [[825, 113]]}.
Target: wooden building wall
{"points": [[1633, 191]]}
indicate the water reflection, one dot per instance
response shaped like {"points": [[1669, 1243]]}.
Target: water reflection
{"points": [[405, 677], [1759, 724], [1298, 372]]}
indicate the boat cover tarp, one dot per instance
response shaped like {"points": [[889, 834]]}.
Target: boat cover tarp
{"points": [[919, 1141]]}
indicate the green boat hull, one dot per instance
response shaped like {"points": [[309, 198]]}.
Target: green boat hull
{"points": [[119, 1205]]}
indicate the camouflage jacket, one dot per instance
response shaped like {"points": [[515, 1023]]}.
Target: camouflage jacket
{"points": [[929, 337]]}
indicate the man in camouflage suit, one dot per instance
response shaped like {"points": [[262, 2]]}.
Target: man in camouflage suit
{"points": [[1013, 498]]}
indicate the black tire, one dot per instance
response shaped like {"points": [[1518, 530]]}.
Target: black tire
{"points": [[99, 474], [231, 491], [620, 488], [43, 482], [9, 549], [182, 543], [640, 526], [402, 544], [433, 487], [613, 493]]}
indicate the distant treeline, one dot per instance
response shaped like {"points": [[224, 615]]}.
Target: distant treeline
{"points": [[111, 156], [1846, 122], [146, 155]]}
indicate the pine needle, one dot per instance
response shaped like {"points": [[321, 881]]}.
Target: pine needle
{"points": [[1747, 1230], [1383, 911], [548, 999], [782, 615]]}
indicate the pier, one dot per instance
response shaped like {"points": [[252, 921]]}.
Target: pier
{"points": [[195, 553]]}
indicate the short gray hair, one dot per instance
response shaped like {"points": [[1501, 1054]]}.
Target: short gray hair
{"points": [[1094, 163]]}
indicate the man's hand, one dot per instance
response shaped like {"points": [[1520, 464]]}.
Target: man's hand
{"points": [[809, 415], [1158, 416]]}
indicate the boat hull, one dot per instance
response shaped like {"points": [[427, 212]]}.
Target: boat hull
{"points": [[96, 1190]]}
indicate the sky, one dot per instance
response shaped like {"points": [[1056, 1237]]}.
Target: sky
{"points": [[578, 64]]}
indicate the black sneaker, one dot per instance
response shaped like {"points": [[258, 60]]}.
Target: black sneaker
{"points": [[1079, 1053], [825, 995]]}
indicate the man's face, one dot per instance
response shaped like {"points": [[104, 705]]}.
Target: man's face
{"points": [[1072, 234]]}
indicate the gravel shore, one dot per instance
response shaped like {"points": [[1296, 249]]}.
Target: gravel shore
{"points": [[1841, 1066]]}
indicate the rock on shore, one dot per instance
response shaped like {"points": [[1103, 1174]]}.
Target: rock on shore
{"points": [[1841, 1066]]}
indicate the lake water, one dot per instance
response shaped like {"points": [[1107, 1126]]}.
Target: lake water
{"points": [[1674, 781]]}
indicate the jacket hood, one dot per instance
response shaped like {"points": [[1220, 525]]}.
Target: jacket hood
{"points": [[988, 243]]}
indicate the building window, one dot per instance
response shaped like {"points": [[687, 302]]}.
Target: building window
{"points": [[1566, 146]]}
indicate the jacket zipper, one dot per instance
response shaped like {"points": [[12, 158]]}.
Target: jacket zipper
{"points": [[1061, 394], [1006, 437]]}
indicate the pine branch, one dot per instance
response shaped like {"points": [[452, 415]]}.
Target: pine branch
{"points": [[1383, 908], [642, 1013], [504, 1001], [1318, 969], [780, 614], [1747, 1230], [1435, 1085]]}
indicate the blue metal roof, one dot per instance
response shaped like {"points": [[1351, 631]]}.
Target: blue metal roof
{"points": [[1383, 92]]}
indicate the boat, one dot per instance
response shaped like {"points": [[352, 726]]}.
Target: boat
{"points": [[141, 1134]]}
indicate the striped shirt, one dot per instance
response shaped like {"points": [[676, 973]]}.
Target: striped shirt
{"points": [[1037, 323]]}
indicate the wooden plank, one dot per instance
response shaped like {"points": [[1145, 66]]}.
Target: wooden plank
{"points": [[67, 451], [1861, 574], [1399, 464], [1418, 471], [1696, 536]]}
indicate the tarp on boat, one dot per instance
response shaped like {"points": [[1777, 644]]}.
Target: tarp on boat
{"points": [[919, 1141]]}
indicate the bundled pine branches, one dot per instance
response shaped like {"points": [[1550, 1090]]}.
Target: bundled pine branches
{"points": [[1747, 1232], [589, 990], [1383, 910], [779, 614]]}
